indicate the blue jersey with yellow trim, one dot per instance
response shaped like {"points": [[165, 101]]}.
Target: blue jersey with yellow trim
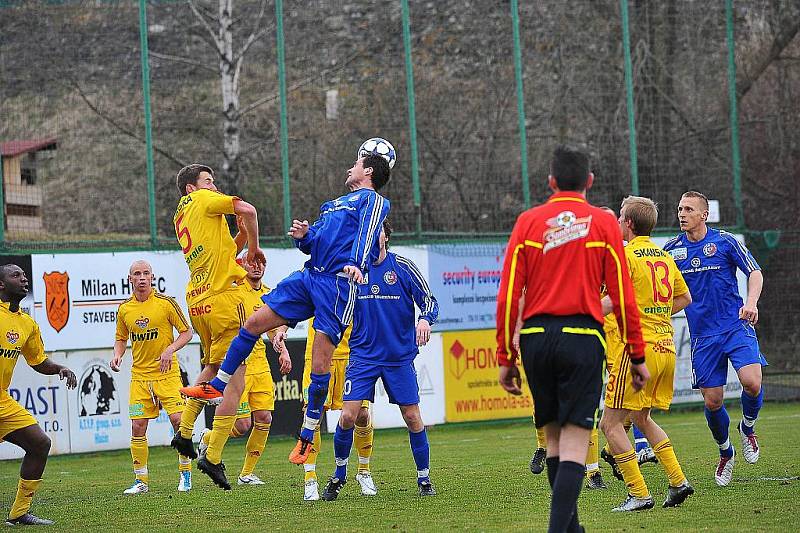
{"points": [[709, 268], [346, 232], [384, 325]]}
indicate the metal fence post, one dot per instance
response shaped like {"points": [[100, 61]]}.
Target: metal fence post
{"points": [[734, 116], [523, 137], [287, 193], [148, 130], [412, 117], [626, 46]]}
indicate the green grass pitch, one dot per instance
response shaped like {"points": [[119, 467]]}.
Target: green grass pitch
{"points": [[480, 472]]}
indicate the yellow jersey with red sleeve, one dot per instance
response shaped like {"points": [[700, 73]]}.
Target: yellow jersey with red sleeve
{"points": [[206, 242], [340, 353], [19, 335], [257, 360], [656, 282], [149, 325]]}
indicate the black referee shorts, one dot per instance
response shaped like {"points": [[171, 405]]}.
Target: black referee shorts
{"points": [[564, 360]]}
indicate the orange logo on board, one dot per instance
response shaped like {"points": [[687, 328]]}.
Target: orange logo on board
{"points": [[56, 299]]}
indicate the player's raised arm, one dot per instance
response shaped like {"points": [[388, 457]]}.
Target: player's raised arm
{"points": [[303, 234], [423, 297], [249, 219]]}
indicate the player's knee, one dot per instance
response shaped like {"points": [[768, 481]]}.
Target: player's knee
{"points": [[347, 419], [243, 425], [40, 445], [752, 387], [413, 419], [262, 417], [362, 420], [713, 401], [605, 425], [139, 427]]}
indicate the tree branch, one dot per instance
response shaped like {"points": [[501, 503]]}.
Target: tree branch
{"points": [[789, 26], [186, 60], [207, 26]]}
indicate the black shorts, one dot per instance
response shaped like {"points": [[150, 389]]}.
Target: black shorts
{"points": [[564, 360]]}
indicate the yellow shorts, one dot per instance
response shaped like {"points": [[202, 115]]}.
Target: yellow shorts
{"points": [[258, 394], [13, 416], [217, 320], [147, 397], [335, 385], [657, 392]]}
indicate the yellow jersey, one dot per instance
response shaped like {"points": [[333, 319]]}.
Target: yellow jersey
{"points": [[149, 325], [656, 282], [206, 242], [342, 351], [257, 360], [19, 334]]}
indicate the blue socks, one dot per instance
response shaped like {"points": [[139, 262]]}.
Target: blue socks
{"points": [[641, 441], [240, 348], [317, 393], [422, 454], [342, 444], [718, 422], [751, 405]]}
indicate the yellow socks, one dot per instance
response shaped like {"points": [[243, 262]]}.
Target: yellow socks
{"points": [[26, 488], [189, 415], [235, 433], [255, 447], [629, 467], [139, 453], [310, 465], [592, 457], [219, 436], [184, 463], [666, 457], [362, 439]]}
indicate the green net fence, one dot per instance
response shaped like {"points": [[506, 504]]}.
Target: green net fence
{"points": [[73, 118]]}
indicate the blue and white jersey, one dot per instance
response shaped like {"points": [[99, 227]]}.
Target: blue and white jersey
{"points": [[384, 321], [346, 232], [709, 268]]}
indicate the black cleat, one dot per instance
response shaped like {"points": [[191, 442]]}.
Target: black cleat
{"points": [[215, 472], [426, 489], [29, 520], [537, 461], [332, 489], [607, 457], [184, 446], [595, 481], [677, 495]]}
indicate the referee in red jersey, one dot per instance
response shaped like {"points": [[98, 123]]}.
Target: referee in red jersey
{"points": [[561, 253]]}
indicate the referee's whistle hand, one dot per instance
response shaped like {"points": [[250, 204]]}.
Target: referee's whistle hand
{"points": [[640, 375], [510, 380]]}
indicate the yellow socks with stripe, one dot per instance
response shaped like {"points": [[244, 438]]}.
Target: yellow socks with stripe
{"points": [[139, 453], [666, 457], [362, 440], [629, 466], [189, 415], [255, 447], [26, 488], [592, 457], [235, 433], [310, 465], [184, 463], [219, 436]]}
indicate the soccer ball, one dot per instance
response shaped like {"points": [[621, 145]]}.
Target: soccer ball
{"points": [[378, 146]]}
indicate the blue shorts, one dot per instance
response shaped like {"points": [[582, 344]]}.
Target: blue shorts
{"points": [[399, 381], [710, 355], [330, 299]]}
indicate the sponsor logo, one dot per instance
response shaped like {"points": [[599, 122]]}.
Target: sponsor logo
{"points": [[678, 254], [12, 337], [464, 359], [374, 289], [57, 299], [695, 262], [709, 249], [390, 277], [97, 391], [565, 227], [141, 323]]}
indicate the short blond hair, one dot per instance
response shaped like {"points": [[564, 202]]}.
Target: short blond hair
{"points": [[695, 194], [642, 212]]}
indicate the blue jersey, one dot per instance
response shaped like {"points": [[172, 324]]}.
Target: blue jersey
{"points": [[346, 232], [709, 268], [384, 325]]}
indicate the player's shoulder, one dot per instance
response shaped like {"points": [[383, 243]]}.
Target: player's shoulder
{"points": [[125, 304], [675, 241], [403, 262], [167, 301]]}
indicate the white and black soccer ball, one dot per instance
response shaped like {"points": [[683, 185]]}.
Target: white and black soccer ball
{"points": [[378, 146]]}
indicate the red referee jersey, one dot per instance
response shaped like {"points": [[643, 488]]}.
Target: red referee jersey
{"points": [[561, 253]]}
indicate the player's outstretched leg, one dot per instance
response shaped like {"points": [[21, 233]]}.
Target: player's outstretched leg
{"points": [[342, 445], [36, 444], [718, 422], [751, 405]]}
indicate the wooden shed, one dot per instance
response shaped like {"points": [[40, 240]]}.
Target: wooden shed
{"points": [[22, 190]]}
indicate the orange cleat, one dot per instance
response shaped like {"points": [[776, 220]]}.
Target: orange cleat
{"points": [[203, 391], [301, 450]]}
